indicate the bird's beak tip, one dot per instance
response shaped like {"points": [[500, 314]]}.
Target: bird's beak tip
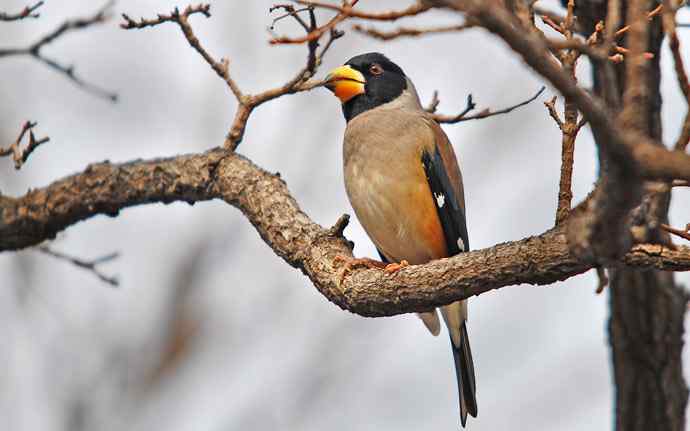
{"points": [[345, 82]]}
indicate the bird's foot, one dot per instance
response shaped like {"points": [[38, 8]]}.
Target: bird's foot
{"points": [[351, 263], [392, 268]]}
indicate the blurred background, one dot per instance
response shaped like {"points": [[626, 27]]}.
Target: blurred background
{"points": [[209, 330]]}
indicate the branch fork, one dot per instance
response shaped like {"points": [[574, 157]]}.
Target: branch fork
{"points": [[21, 155]]}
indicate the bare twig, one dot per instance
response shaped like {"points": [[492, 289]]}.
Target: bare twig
{"points": [[290, 11], [316, 33], [683, 233], [21, 155], [246, 102], [569, 126], [650, 16], [551, 107], [312, 45], [89, 265], [603, 279], [300, 82], [669, 20], [27, 12], [346, 10], [485, 113], [433, 104], [34, 50], [175, 16], [410, 31], [548, 14], [182, 19]]}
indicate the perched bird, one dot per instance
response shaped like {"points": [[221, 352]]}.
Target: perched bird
{"points": [[404, 183]]}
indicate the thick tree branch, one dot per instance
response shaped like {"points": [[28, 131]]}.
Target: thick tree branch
{"points": [[106, 188]]}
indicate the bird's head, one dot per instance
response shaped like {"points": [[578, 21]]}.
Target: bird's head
{"points": [[365, 82]]}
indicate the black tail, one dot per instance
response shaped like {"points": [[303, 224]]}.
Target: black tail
{"points": [[464, 370]]}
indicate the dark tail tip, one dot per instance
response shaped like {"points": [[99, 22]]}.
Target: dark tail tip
{"points": [[464, 371]]}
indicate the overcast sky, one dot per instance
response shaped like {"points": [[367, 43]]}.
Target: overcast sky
{"points": [[270, 352]]}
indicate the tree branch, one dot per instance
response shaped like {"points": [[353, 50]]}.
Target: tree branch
{"points": [[27, 12], [669, 21], [484, 113], [34, 50], [246, 102], [410, 31], [21, 155], [88, 265], [106, 188]]}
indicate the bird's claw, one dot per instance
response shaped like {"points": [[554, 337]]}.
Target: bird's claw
{"points": [[365, 262], [392, 268], [351, 263]]}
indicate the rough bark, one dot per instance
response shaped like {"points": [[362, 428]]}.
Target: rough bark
{"points": [[647, 307], [106, 188]]}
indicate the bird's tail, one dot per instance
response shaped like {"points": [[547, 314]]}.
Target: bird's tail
{"points": [[464, 370]]}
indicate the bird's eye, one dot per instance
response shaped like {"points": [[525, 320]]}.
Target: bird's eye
{"points": [[375, 69]]}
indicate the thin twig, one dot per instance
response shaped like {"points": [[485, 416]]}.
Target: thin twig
{"points": [[19, 155], [182, 19], [551, 107], [346, 10], [650, 15], [246, 102], [410, 31], [485, 113], [319, 31], [603, 280], [669, 21], [34, 50], [549, 14], [569, 125], [683, 233], [89, 265], [27, 12], [130, 23], [433, 104], [313, 44], [289, 11], [412, 10]]}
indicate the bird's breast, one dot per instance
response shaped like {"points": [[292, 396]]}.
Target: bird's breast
{"points": [[391, 197]]}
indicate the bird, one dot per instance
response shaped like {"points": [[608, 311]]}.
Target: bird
{"points": [[404, 183]]}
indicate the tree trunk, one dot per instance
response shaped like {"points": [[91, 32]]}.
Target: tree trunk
{"points": [[647, 307]]}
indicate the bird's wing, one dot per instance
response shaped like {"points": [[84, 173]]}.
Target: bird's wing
{"points": [[445, 181]]}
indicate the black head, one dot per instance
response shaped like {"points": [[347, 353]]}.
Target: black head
{"points": [[374, 81]]}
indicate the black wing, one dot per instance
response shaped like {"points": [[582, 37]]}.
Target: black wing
{"points": [[447, 204], [383, 258]]}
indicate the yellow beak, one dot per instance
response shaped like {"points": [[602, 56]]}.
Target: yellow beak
{"points": [[345, 82]]}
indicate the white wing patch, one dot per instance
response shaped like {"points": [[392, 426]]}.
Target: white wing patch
{"points": [[440, 199], [461, 244]]}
